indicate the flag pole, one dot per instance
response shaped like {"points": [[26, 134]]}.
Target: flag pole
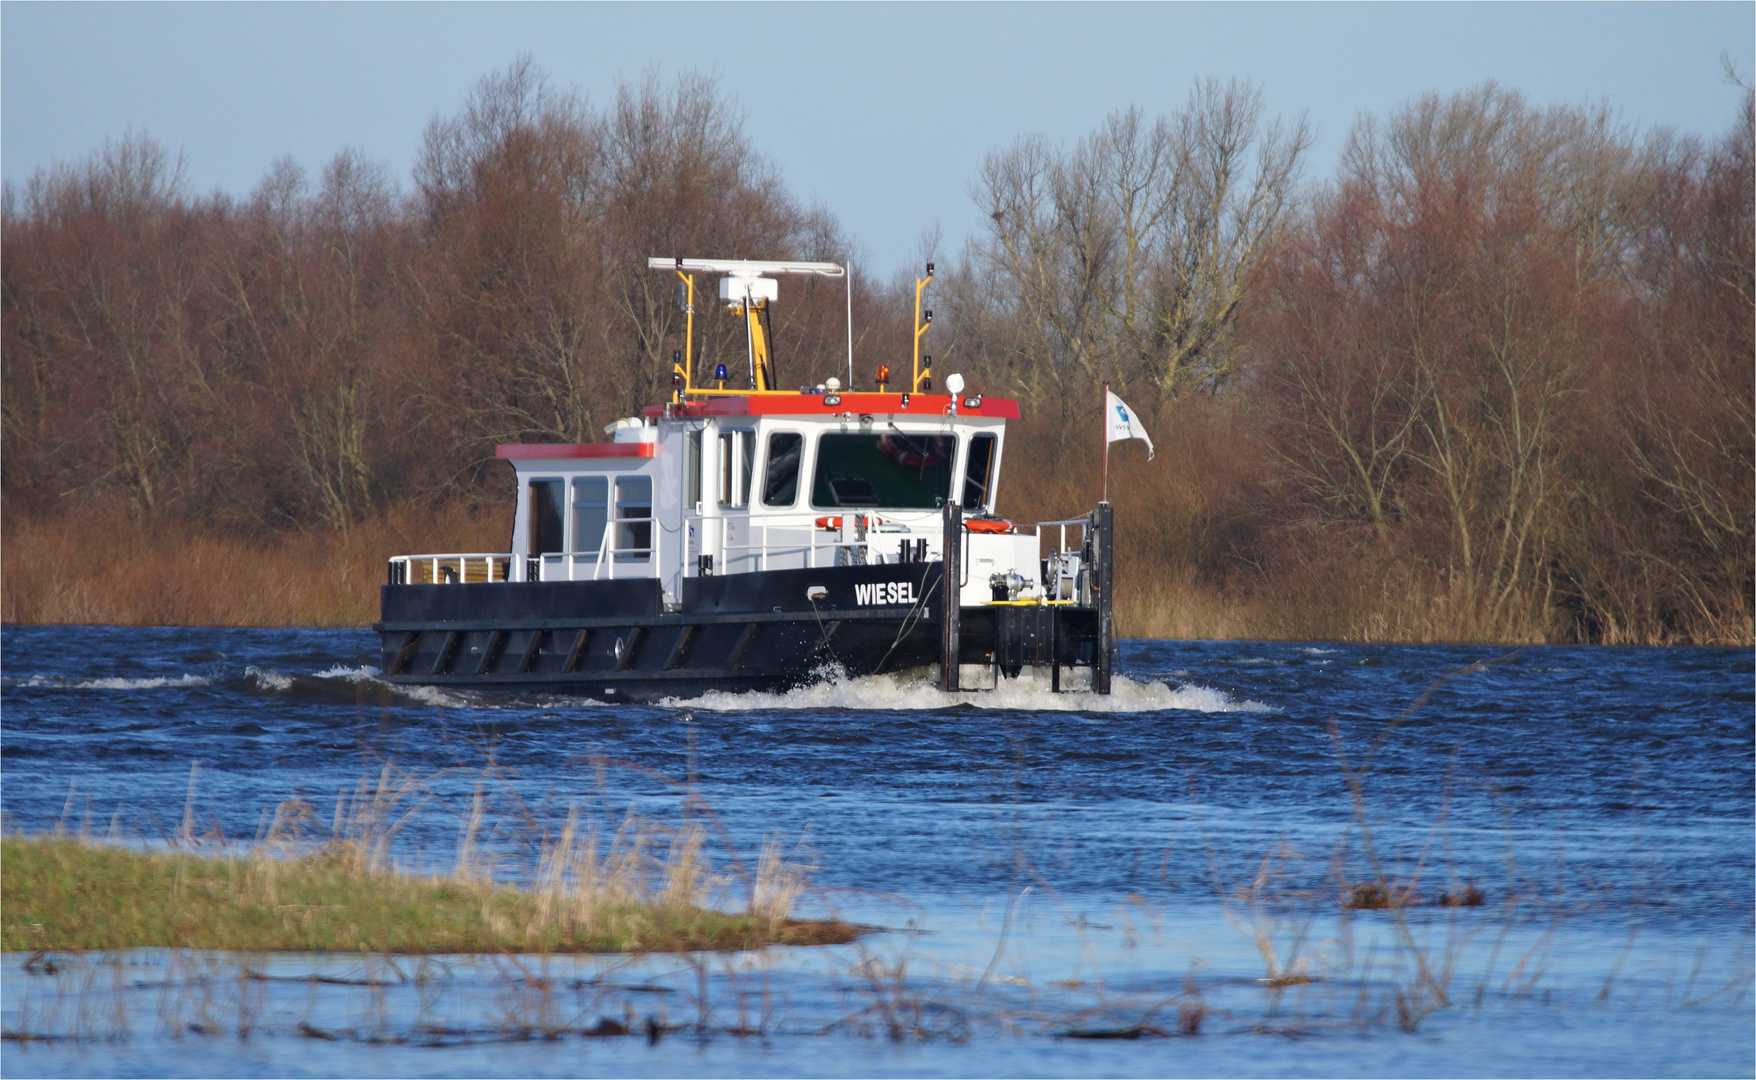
{"points": [[1104, 432]]}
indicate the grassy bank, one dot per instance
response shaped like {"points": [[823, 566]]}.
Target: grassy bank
{"points": [[62, 894]]}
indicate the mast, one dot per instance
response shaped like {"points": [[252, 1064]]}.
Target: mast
{"points": [[1104, 434]]}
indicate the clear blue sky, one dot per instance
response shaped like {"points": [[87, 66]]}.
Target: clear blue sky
{"points": [[881, 111]]}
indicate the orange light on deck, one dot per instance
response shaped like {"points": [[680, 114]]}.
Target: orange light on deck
{"points": [[883, 376]]}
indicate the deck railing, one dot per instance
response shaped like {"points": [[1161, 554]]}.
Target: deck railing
{"points": [[449, 569], [826, 545]]}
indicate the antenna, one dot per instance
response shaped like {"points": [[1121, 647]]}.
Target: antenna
{"points": [[748, 290]]}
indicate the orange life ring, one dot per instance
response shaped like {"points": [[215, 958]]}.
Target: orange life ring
{"points": [[907, 458], [834, 523], [990, 525]]}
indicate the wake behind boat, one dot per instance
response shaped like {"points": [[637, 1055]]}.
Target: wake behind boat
{"points": [[743, 539]]}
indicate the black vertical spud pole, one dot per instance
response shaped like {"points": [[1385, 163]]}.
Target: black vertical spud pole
{"points": [[950, 597], [1103, 554]]}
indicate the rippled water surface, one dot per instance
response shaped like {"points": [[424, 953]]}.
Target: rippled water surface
{"points": [[1044, 866]]}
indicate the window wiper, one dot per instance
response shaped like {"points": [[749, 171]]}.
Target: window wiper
{"points": [[918, 448], [909, 439]]}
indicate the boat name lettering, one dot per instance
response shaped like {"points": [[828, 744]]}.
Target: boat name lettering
{"points": [[886, 592]]}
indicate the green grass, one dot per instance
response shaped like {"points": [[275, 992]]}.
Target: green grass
{"points": [[61, 894]]}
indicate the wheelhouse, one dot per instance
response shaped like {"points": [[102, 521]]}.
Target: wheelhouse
{"points": [[744, 485]]}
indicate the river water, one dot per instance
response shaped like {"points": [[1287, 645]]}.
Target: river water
{"points": [[1165, 867]]}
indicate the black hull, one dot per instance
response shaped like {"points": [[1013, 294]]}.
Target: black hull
{"points": [[610, 640]]}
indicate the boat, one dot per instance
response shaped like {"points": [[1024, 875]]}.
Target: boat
{"points": [[741, 538]]}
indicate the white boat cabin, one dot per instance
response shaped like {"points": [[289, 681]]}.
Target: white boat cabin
{"points": [[777, 482]]}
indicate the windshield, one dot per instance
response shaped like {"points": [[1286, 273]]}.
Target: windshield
{"points": [[897, 469]]}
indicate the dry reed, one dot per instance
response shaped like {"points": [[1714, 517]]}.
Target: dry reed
{"points": [[100, 566]]}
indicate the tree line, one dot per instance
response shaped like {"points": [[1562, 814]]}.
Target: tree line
{"points": [[297, 357], [1503, 354]]}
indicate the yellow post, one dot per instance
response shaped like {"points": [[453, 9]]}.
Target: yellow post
{"points": [[920, 328], [762, 361]]}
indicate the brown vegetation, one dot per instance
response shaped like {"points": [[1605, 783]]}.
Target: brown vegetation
{"points": [[102, 565], [1492, 381]]}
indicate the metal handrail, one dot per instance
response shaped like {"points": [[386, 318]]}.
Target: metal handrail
{"points": [[497, 566], [1061, 544], [765, 548], [438, 565], [604, 549]]}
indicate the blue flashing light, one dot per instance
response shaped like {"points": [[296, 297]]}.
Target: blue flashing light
{"points": [[719, 372]]}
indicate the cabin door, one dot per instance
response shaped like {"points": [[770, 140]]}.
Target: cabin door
{"points": [[545, 537]]}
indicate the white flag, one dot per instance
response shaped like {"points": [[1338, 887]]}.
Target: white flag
{"points": [[1123, 424]]}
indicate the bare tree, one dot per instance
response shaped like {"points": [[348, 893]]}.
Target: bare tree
{"points": [[1432, 330], [511, 295], [114, 255], [1126, 257]]}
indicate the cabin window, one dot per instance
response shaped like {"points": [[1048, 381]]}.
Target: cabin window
{"points": [[545, 517], [780, 484], [591, 512], [978, 472], [900, 470], [633, 518], [737, 459]]}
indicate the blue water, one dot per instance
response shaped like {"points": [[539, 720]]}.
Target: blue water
{"points": [[1041, 864]]}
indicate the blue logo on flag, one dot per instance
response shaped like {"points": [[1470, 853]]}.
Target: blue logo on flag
{"points": [[1123, 413]]}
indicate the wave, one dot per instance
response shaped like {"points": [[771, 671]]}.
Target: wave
{"points": [[431, 695], [363, 673], [58, 682], [267, 678], [342, 683], [367, 675], [916, 690]]}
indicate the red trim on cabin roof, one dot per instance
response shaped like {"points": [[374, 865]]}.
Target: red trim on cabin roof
{"points": [[812, 405], [528, 451]]}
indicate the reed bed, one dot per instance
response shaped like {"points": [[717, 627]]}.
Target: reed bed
{"points": [[103, 567]]}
